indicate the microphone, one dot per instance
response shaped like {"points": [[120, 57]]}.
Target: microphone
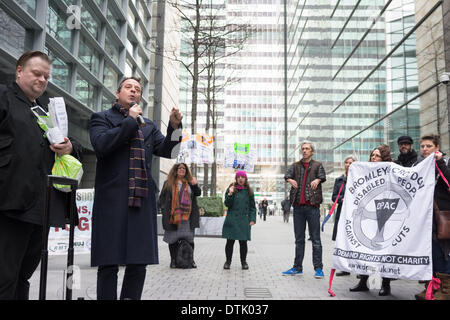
{"points": [[140, 119]]}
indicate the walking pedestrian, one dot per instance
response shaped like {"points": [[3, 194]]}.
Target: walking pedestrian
{"points": [[265, 207], [430, 144], [26, 158], [339, 185], [241, 216], [124, 212], [379, 154], [286, 207], [306, 177], [407, 156], [180, 212]]}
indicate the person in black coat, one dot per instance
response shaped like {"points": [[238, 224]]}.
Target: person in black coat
{"points": [[26, 158], [180, 214], [430, 144], [124, 227], [286, 207], [407, 156], [337, 186]]}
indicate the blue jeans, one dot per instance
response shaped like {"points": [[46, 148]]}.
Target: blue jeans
{"points": [[303, 214], [439, 263]]}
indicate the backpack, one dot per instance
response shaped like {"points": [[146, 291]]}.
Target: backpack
{"points": [[185, 255]]}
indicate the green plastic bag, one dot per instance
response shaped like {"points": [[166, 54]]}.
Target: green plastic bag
{"points": [[69, 167]]}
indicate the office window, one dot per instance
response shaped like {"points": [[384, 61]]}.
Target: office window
{"points": [[84, 92], [56, 26], [88, 56], [110, 78], [114, 21], [90, 22], [13, 37], [60, 71], [29, 5], [112, 49]]}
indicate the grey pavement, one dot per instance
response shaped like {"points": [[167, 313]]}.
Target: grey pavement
{"points": [[270, 252]]}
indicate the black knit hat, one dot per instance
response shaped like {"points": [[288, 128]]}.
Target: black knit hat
{"points": [[405, 139]]}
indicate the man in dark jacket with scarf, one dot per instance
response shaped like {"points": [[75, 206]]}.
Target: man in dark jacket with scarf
{"points": [[407, 156], [306, 177], [26, 158], [124, 212]]}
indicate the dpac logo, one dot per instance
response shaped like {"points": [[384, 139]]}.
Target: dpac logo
{"points": [[381, 215]]}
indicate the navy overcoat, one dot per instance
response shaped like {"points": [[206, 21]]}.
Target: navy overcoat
{"points": [[122, 235]]}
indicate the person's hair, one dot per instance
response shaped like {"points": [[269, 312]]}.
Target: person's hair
{"points": [[433, 137], [310, 143], [246, 185], [128, 78], [385, 153], [172, 176], [30, 55], [351, 157]]}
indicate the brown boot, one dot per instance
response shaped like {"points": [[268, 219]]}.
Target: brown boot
{"points": [[421, 295], [443, 293]]}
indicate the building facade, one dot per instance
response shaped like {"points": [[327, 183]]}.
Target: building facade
{"points": [[93, 45]]}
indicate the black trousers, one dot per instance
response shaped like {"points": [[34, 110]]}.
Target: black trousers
{"points": [[20, 253], [229, 249], [132, 285]]}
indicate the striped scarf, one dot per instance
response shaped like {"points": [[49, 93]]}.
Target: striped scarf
{"points": [[137, 174], [181, 204]]}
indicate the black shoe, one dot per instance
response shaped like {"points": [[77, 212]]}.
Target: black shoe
{"points": [[244, 265], [361, 286], [173, 265], [385, 290], [342, 273], [194, 265], [227, 265]]}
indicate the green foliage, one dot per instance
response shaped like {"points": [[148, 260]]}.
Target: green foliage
{"points": [[210, 206]]}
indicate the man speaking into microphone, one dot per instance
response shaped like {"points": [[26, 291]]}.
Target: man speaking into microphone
{"points": [[124, 228]]}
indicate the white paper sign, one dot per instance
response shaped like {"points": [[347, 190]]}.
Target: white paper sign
{"points": [[58, 114], [58, 239], [386, 221]]}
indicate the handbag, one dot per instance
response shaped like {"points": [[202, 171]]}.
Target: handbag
{"points": [[442, 219]]}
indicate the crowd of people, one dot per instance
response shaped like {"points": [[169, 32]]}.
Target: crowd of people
{"points": [[125, 204]]}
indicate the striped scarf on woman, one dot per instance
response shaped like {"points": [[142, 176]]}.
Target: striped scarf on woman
{"points": [[137, 174], [181, 204]]}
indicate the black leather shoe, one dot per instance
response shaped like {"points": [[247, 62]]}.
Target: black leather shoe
{"points": [[244, 265], [227, 265], [342, 273], [173, 265], [385, 291], [361, 286], [194, 265]]}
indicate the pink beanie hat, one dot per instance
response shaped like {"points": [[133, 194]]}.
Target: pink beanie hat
{"points": [[241, 174]]}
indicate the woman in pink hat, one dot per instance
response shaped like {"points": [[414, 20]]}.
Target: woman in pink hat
{"points": [[241, 216]]}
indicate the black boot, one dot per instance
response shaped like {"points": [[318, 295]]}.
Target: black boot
{"points": [[194, 265], [244, 265], [385, 288], [361, 286], [227, 265], [173, 254]]}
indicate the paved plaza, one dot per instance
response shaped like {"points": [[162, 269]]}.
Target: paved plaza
{"points": [[270, 252]]}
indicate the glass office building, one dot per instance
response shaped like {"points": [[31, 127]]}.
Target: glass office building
{"points": [[93, 45], [250, 107], [358, 76]]}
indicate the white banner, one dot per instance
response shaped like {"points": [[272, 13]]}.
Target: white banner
{"points": [[240, 157], [58, 239], [386, 221], [196, 149]]}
